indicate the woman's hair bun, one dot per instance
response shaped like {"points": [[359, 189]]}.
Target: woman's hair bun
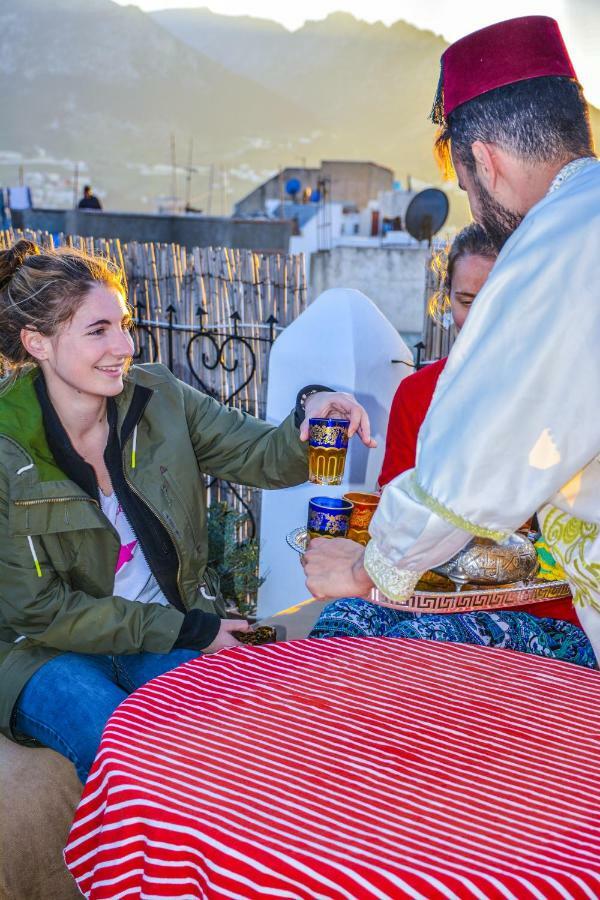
{"points": [[12, 259]]}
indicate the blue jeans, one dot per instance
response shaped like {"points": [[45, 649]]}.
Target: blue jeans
{"points": [[68, 701]]}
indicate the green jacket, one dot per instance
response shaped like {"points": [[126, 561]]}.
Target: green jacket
{"points": [[64, 601]]}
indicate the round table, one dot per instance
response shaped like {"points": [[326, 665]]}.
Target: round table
{"points": [[348, 768]]}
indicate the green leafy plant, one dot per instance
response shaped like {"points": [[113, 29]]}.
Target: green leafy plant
{"points": [[235, 561]]}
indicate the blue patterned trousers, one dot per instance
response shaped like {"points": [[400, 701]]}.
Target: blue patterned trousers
{"points": [[508, 629]]}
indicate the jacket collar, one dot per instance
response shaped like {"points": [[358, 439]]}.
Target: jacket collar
{"points": [[66, 457], [28, 418], [21, 421]]}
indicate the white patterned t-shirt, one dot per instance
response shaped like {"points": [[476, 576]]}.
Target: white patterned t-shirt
{"points": [[133, 578]]}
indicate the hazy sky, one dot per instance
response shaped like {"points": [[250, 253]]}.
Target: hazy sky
{"points": [[579, 19]]}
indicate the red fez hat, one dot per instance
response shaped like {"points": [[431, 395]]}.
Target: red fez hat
{"points": [[501, 54]]}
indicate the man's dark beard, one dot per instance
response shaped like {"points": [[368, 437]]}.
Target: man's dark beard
{"points": [[498, 221]]}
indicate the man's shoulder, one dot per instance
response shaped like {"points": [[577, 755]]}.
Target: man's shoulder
{"points": [[567, 217], [581, 191]]}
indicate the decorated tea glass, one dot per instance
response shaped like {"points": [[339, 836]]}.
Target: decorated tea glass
{"points": [[327, 446], [328, 517], [364, 505]]}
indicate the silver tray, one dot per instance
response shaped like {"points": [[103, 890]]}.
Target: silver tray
{"points": [[535, 590]]}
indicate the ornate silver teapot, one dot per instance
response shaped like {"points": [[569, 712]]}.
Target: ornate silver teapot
{"points": [[484, 561]]}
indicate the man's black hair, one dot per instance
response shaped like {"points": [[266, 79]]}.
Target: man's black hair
{"points": [[539, 120]]}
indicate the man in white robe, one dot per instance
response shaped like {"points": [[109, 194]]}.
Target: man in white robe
{"points": [[513, 427]]}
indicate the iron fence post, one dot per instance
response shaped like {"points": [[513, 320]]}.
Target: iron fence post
{"points": [[171, 317]]}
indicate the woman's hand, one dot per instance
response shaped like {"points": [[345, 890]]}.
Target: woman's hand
{"points": [[337, 404], [224, 636]]}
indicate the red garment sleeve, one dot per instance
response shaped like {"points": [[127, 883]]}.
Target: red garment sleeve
{"points": [[401, 438], [408, 411]]}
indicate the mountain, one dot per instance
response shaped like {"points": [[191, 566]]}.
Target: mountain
{"points": [[103, 83], [107, 86], [372, 85], [242, 44]]}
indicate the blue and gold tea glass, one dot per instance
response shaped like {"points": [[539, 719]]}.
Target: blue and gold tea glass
{"points": [[327, 446], [328, 517]]}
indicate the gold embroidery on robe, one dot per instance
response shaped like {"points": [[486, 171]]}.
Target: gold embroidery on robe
{"points": [[569, 540]]}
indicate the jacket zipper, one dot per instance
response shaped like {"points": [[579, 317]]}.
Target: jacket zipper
{"points": [[163, 523], [55, 500]]}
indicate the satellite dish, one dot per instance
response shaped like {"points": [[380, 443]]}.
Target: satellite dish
{"points": [[426, 214]]}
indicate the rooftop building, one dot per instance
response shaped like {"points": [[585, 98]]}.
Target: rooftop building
{"points": [[343, 181]]}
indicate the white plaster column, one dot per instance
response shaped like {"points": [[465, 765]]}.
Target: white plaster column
{"points": [[342, 340]]}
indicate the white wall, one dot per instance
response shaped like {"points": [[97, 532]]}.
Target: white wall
{"points": [[314, 234], [393, 277], [342, 340]]}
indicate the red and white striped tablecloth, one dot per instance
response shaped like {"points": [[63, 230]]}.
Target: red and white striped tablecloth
{"points": [[348, 768]]}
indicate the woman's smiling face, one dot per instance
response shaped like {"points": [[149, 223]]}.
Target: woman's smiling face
{"points": [[91, 352]]}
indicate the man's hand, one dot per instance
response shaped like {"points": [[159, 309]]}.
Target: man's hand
{"points": [[334, 568], [224, 637], [330, 404]]}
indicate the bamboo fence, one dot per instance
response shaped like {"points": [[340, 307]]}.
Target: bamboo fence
{"points": [[211, 314], [230, 293]]}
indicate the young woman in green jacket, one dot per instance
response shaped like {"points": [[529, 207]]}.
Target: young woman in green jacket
{"points": [[103, 543]]}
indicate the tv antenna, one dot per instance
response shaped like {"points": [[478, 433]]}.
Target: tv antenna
{"points": [[173, 170], [188, 177]]}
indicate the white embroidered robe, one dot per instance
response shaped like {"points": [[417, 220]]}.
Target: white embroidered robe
{"points": [[514, 425]]}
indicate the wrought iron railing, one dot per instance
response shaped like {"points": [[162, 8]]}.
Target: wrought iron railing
{"points": [[235, 348]]}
